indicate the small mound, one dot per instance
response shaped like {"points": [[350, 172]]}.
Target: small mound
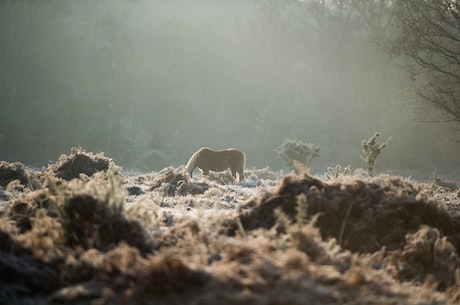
{"points": [[79, 162], [385, 219], [126, 277], [193, 188], [172, 182], [22, 210], [362, 215], [92, 222], [36, 275], [12, 171], [168, 176], [19, 268], [168, 275], [135, 190], [221, 177], [425, 253]]}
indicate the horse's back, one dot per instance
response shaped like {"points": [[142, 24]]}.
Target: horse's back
{"points": [[211, 158], [237, 156], [218, 154]]}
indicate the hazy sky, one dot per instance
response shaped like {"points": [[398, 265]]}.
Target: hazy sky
{"points": [[198, 10]]}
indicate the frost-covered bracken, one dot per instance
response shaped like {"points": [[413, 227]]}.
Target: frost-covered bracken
{"points": [[273, 238]]}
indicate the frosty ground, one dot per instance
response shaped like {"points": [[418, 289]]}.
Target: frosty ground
{"points": [[82, 231]]}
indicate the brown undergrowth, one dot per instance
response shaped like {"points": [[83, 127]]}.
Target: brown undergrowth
{"points": [[80, 162], [416, 238], [378, 240], [12, 171]]}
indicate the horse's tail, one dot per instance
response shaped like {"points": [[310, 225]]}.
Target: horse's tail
{"points": [[191, 164]]}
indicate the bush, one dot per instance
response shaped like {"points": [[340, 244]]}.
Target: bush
{"points": [[337, 171], [297, 153], [371, 150]]}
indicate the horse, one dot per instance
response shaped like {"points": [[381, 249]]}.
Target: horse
{"points": [[217, 161]]}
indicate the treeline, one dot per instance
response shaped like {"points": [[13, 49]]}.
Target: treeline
{"points": [[114, 76]]}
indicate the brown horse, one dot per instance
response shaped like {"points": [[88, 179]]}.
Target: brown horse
{"points": [[217, 161]]}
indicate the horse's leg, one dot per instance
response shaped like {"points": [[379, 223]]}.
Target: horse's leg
{"points": [[241, 172], [240, 175], [205, 171], [233, 170], [191, 172]]}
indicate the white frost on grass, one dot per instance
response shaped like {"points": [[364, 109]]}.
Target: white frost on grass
{"points": [[158, 212]]}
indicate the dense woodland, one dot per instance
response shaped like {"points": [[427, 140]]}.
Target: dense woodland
{"points": [[149, 82]]}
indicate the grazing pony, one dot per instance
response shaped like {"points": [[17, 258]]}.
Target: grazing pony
{"points": [[217, 161]]}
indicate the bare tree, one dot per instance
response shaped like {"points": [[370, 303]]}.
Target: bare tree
{"points": [[427, 37], [376, 15]]}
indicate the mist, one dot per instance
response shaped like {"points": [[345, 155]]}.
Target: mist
{"points": [[149, 82]]}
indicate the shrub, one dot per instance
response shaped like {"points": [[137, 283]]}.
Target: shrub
{"points": [[297, 154], [337, 171], [371, 150]]}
